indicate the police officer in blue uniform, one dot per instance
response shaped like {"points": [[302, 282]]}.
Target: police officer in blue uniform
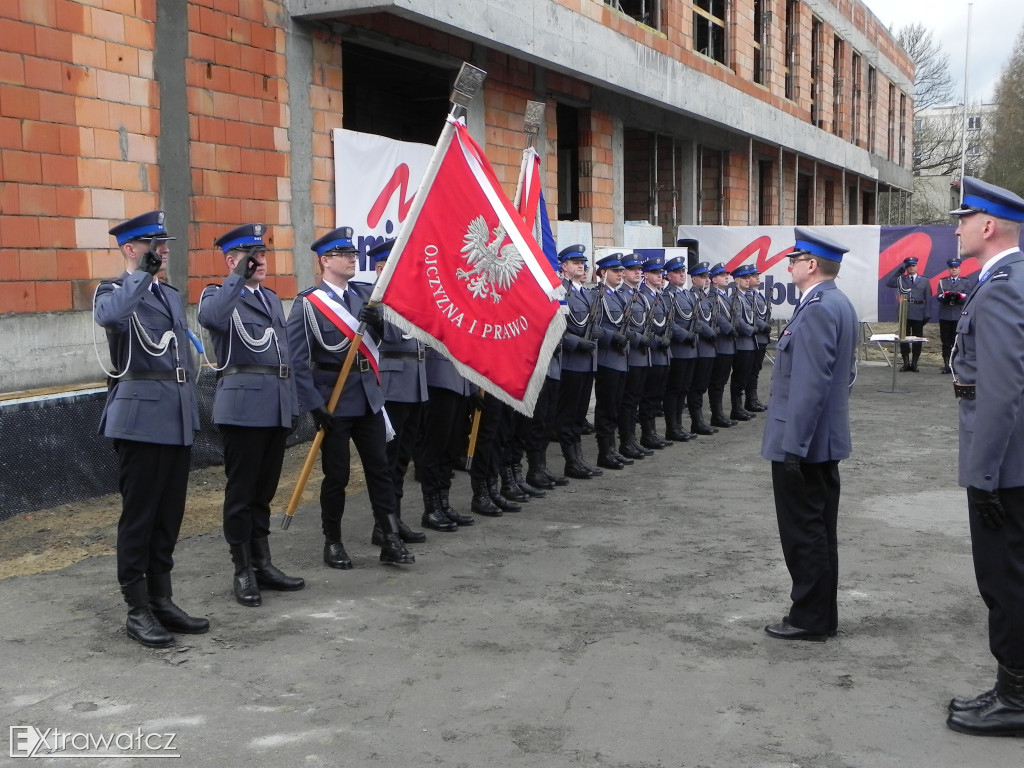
{"points": [[706, 306], [612, 347], [403, 378], [917, 291], [682, 350], [762, 336], [152, 416], [745, 345], [638, 356], [989, 380], [579, 360], [658, 338], [807, 434], [319, 345], [953, 291], [725, 345], [254, 407]]}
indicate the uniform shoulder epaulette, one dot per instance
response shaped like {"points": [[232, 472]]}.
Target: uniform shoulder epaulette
{"points": [[168, 285], [118, 282], [1003, 273], [815, 298], [306, 292], [267, 289]]}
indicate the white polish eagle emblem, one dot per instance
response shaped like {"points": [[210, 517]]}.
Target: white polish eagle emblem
{"points": [[493, 267]]}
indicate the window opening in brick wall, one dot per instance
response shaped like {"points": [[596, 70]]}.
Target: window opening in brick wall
{"points": [[830, 202], [792, 54], [856, 71], [838, 85], [766, 203], [568, 121], [804, 182], [817, 31], [709, 28], [872, 109], [643, 11]]}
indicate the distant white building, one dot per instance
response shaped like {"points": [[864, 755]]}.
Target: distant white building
{"points": [[941, 137]]}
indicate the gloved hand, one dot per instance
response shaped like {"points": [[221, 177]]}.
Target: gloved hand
{"points": [[586, 345], [792, 466], [988, 506], [477, 400], [619, 341], [373, 317], [246, 266], [664, 343], [598, 333], [151, 262], [323, 419]]}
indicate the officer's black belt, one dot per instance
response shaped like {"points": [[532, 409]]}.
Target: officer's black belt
{"points": [[361, 364], [280, 371], [179, 375], [916, 302], [964, 391], [418, 355]]}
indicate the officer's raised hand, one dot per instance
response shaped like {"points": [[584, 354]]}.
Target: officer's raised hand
{"points": [[246, 266], [151, 262], [373, 317], [988, 506]]}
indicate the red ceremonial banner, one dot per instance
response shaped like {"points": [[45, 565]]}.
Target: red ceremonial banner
{"points": [[467, 277]]}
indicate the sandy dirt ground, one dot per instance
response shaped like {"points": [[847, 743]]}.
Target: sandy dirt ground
{"points": [[617, 622]]}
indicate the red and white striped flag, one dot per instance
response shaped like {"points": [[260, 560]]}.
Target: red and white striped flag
{"points": [[467, 277]]}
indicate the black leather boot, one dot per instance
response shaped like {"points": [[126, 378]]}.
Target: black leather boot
{"points": [[649, 437], [962, 703], [269, 576], [594, 471], [1003, 715], [906, 362], [458, 518], [434, 516], [531, 490], [247, 591], [393, 550], [509, 487], [635, 445], [537, 473], [482, 503], [697, 424], [753, 405], [627, 450], [606, 457], [142, 626], [335, 555], [501, 501], [573, 468], [718, 417], [914, 358], [674, 428], [738, 412], [167, 613]]}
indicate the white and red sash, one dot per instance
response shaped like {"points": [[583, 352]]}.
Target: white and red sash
{"points": [[339, 316]]}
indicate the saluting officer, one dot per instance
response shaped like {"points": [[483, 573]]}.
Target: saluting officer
{"points": [[746, 346], [725, 346], [706, 306], [254, 407], [152, 415], [403, 379], [953, 292], [683, 349], [917, 291], [610, 379], [321, 326], [579, 360], [658, 339]]}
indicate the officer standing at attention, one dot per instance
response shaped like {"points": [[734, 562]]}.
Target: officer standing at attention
{"points": [[746, 346], [989, 380], [916, 290], [638, 357], [953, 292], [152, 416], [321, 325], [403, 378], [610, 380], [706, 305], [807, 434], [254, 407], [762, 335], [579, 360], [659, 340], [683, 349], [725, 346]]}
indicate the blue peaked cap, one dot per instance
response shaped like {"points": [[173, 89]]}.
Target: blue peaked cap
{"points": [[575, 251], [339, 239], [245, 236], [148, 226], [982, 197], [809, 241], [381, 251]]}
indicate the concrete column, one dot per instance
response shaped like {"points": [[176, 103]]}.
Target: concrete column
{"points": [[299, 47]]}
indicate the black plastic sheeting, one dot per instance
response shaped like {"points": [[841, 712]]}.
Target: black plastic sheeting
{"points": [[50, 453]]}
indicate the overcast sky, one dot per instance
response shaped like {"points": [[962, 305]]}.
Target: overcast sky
{"points": [[995, 26]]}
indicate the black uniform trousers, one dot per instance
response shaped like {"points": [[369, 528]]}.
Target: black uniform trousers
{"points": [[442, 438], [742, 362], [609, 386], [654, 392], [253, 457], [701, 381], [914, 328], [497, 423], [632, 391], [947, 334], [406, 419], [153, 479], [999, 569], [367, 433], [678, 384], [755, 370], [531, 432], [573, 403], [808, 514], [720, 371]]}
